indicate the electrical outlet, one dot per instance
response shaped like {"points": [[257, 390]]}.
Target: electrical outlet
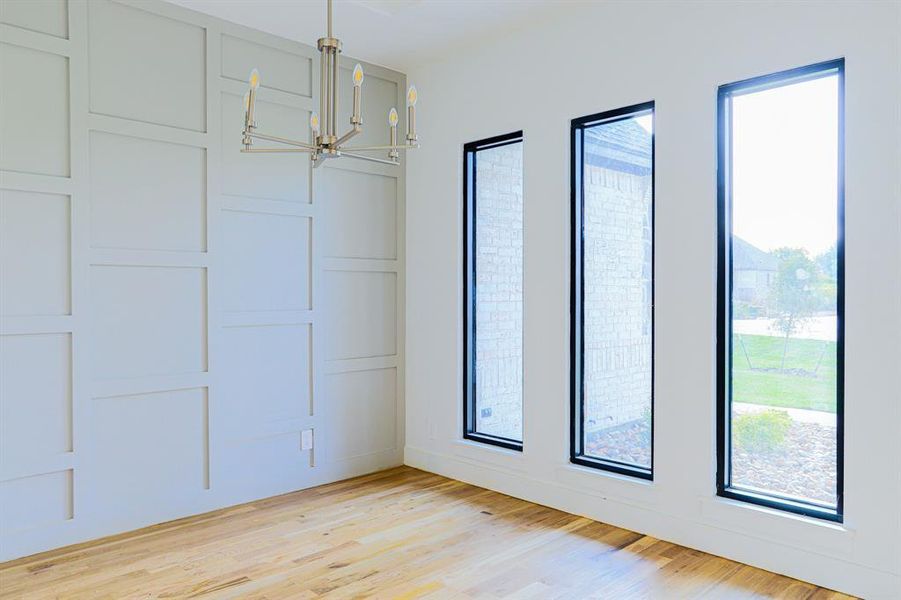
{"points": [[306, 439]]}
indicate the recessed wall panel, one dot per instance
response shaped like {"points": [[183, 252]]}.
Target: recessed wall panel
{"points": [[34, 111], [43, 16], [150, 449], [266, 261], [154, 200], [361, 318], [267, 176], [148, 320], [34, 254], [37, 501], [266, 371], [361, 214], [279, 70], [146, 67], [35, 397], [268, 465], [362, 406]]}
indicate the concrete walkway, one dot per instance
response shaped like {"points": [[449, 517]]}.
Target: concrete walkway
{"points": [[800, 415], [817, 328]]}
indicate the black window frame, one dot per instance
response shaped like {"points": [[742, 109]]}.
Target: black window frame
{"points": [[577, 292], [724, 486], [470, 400]]}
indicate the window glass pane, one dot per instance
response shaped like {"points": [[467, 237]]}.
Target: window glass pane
{"points": [[783, 363], [498, 291], [617, 272]]}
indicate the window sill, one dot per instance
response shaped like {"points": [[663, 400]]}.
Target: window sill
{"points": [[773, 524], [612, 467], [782, 506], [620, 488], [488, 453]]}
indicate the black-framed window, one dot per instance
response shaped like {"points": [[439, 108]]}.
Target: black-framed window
{"points": [[612, 293], [492, 303], [780, 288]]}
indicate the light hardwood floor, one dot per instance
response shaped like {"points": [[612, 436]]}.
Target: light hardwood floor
{"points": [[401, 533]]}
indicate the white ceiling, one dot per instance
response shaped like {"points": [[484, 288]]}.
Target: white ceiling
{"points": [[393, 33]]}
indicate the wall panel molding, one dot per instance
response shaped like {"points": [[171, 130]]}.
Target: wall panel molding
{"points": [[172, 92], [181, 251], [35, 118], [35, 40], [36, 324], [266, 207], [363, 265], [32, 182], [50, 18], [148, 131]]}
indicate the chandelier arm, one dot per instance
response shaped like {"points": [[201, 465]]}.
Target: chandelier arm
{"points": [[354, 131], [383, 161], [374, 148], [280, 140], [274, 150]]}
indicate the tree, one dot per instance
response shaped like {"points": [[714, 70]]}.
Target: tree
{"points": [[794, 295], [828, 263], [827, 283]]}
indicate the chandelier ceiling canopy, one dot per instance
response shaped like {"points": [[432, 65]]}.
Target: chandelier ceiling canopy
{"points": [[324, 139]]}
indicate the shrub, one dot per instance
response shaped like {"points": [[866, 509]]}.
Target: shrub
{"points": [[761, 431]]}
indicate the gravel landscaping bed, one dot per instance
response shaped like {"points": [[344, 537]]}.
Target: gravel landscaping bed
{"points": [[803, 466], [628, 443]]}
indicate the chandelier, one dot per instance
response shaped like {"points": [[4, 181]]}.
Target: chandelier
{"points": [[324, 140]]}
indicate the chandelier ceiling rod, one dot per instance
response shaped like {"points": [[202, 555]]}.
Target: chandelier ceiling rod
{"points": [[324, 140]]}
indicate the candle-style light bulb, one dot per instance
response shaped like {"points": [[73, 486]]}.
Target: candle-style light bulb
{"points": [[248, 118], [254, 81], [392, 133], [356, 116], [248, 108], [412, 97], [314, 122], [249, 97]]}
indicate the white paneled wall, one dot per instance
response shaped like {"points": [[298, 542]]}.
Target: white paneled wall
{"points": [[174, 313], [677, 54]]}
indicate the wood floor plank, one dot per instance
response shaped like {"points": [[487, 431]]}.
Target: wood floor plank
{"points": [[398, 534]]}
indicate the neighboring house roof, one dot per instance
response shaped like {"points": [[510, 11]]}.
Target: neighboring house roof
{"points": [[746, 257], [620, 146]]}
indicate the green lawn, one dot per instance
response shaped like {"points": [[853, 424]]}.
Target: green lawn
{"points": [[787, 390]]}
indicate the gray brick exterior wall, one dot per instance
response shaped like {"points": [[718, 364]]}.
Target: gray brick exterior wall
{"points": [[618, 277], [499, 291], [617, 283]]}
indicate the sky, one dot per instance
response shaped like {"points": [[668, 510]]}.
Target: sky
{"points": [[646, 121], [785, 156]]}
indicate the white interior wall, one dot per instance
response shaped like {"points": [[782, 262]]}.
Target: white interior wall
{"points": [[600, 56], [173, 313]]}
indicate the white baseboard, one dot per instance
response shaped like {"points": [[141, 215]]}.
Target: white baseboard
{"points": [[708, 535], [84, 529]]}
